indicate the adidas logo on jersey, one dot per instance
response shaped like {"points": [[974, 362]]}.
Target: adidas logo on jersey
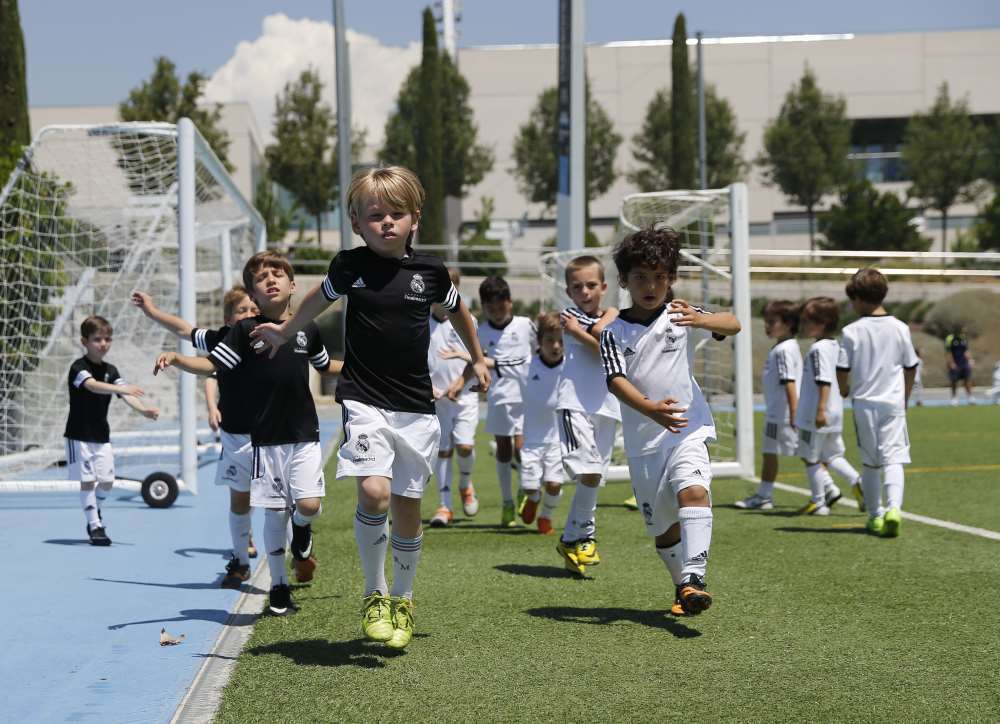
{"points": [[629, 351], [359, 283], [536, 377]]}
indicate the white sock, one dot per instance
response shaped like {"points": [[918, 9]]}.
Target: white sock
{"points": [[371, 532], [239, 533], [405, 557], [844, 470], [275, 532], [303, 520], [871, 487], [504, 476], [819, 480], [88, 501], [444, 473], [671, 556], [581, 521], [894, 486], [102, 493], [465, 466], [696, 539], [765, 489], [549, 503]]}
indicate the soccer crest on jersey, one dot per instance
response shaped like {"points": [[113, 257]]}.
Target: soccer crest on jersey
{"points": [[510, 346], [583, 386]]}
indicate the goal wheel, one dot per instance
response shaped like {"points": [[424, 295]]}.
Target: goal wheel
{"points": [[159, 490]]}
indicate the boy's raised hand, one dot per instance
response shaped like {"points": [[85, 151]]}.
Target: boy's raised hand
{"points": [[267, 337], [667, 413], [165, 360], [683, 314], [143, 301]]}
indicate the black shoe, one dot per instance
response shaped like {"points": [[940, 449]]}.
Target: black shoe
{"points": [[280, 601], [831, 498], [235, 574], [692, 594], [302, 541], [98, 536]]}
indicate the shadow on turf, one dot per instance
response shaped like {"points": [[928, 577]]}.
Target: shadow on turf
{"points": [[189, 586], [221, 552], [858, 530], [215, 615], [520, 569], [319, 652], [78, 542], [605, 616]]}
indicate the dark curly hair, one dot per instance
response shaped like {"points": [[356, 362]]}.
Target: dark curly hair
{"points": [[494, 289], [650, 247]]}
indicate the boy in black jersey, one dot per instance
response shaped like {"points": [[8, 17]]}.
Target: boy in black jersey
{"points": [[391, 431], [233, 468], [92, 381], [286, 461]]}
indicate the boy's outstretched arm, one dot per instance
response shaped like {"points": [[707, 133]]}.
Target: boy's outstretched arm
{"points": [[107, 388], [273, 335], [723, 324], [664, 412], [463, 323], [136, 404], [166, 320], [194, 365]]}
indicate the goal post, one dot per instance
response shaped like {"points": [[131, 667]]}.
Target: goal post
{"points": [[91, 213], [714, 272]]}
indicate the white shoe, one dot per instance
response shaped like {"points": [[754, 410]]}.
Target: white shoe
{"points": [[821, 510], [954, 402], [754, 502]]}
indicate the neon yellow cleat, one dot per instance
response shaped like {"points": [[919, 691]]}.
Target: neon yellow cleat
{"points": [[402, 623], [893, 522], [507, 516], [812, 508], [631, 503], [875, 526], [376, 617], [586, 552], [859, 496], [568, 552]]}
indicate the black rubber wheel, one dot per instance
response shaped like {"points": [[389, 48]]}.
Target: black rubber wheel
{"points": [[159, 490]]}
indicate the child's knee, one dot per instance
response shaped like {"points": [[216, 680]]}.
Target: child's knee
{"points": [[464, 451], [553, 488], [444, 453], [694, 496], [309, 506]]}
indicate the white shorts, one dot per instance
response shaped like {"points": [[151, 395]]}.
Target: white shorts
{"points": [[90, 462], [397, 445], [819, 447], [541, 463], [659, 477], [458, 421], [505, 419], [587, 441], [779, 438], [233, 468], [882, 435], [282, 474]]}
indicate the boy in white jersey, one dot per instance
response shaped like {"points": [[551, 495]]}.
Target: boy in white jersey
{"points": [[458, 418], [666, 421], [820, 414], [877, 366], [782, 376], [588, 412], [541, 457]]}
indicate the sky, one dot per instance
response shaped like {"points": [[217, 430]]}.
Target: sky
{"points": [[93, 53]]}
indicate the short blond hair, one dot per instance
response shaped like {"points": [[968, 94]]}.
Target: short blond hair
{"points": [[396, 186], [233, 297]]}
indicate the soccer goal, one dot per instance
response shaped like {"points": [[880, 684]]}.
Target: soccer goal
{"points": [[90, 214], [714, 273]]}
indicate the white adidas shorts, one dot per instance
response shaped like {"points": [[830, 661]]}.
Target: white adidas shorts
{"points": [[659, 477], [90, 462], [506, 419], [397, 445], [282, 474], [541, 463], [819, 447], [233, 468], [882, 435], [458, 420], [587, 441], [779, 438]]}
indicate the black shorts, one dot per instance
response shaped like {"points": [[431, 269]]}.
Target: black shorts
{"points": [[961, 372]]}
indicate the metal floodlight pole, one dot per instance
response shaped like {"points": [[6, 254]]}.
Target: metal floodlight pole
{"points": [[343, 118], [572, 124], [702, 165], [739, 234], [186, 271]]}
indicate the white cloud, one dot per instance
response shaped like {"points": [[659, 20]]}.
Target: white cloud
{"points": [[259, 69]]}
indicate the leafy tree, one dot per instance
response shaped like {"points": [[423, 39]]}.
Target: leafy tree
{"points": [[942, 153], [987, 226], [429, 136], [723, 144], [15, 130], [163, 98], [277, 218], [494, 261], [536, 155], [683, 121], [806, 146], [867, 220], [991, 164]]}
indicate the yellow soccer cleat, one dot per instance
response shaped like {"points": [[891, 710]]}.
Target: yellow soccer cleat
{"points": [[859, 496], [893, 522], [812, 508], [507, 516], [631, 503], [376, 617], [402, 623], [568, 552], [875, 526], [586, 552]]}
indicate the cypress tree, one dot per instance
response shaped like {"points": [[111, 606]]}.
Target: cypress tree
{"points": [[682, 112], [428, 136], [15, 130]]}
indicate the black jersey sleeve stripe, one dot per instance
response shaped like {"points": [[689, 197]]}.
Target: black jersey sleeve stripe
{"points": [[81, 377], [329, 292], [225, 355], [321, 360], [782, 364], [198, 340], [613, 364], [452, 299]]}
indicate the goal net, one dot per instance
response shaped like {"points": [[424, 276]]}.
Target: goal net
{"points": [[713, 273], [90, 214]]}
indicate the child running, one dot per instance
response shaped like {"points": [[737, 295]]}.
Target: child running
{"points": [[89, 458], [666, 421], [391, 432]]}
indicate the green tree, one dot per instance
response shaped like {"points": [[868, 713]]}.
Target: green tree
{"points": [[806, 146], [723, 144], [987, 226], [277, 218], [867, 220], [429, 136], [683, 120], [15, 130], [494, 261], [163, 98], [536, 155], [991, 164], [942, 154]]}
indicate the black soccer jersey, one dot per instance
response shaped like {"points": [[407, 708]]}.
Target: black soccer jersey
{"points": [[282, 408], [236, 397], [389, 303], [88, 411]]}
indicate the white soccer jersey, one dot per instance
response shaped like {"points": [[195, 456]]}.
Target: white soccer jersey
{"points": [[539, 386], [655, 357], [445, 371], [820, 367], [583, 385], [876, 350], [784, 364], [511, 347]]}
